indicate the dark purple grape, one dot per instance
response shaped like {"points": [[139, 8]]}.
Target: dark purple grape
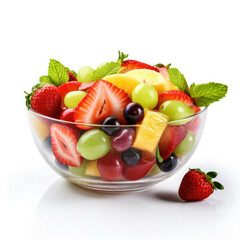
{"points": [[123, 139], [110, 121], [168, 164], [133, 113], [132, 156]]}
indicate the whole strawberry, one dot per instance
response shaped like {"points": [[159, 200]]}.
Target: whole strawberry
{"points": [[45, 99], [197, 185]]}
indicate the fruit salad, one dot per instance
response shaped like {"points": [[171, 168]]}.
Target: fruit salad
{"points": [[124, 120]]}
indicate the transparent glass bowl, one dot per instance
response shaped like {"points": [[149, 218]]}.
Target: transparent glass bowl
{"points": [[149, 175]]}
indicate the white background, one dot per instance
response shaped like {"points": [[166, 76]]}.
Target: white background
{"points": [[201, 38]]}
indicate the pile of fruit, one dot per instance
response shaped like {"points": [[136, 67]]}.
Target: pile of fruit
{"points": [[123, 120]]}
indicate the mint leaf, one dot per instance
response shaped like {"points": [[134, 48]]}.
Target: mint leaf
{"points": [[106, 69], [45, 79], [207, 93], [178, 79], [57, 72]]}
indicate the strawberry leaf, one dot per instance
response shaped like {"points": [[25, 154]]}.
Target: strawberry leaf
{"points": [[212, 174], [218, 185], [121, 57]]}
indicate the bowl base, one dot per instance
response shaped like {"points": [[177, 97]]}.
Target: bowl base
{"points": [[114, 187]]}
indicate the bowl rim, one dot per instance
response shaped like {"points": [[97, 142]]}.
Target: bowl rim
{"points": [[203, 109]]}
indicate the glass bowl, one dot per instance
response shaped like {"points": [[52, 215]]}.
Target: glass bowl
{"points": [[90, 174]]}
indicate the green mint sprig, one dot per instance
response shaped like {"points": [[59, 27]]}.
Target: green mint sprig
{"points": [[202, 94], [178, 79], [45, 79], [57, 73], [109, 68], [207, 93]]}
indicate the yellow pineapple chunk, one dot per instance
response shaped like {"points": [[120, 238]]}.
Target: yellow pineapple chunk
{"points": [[150, 131], [91, 169], [41, 128], [124, 82]]}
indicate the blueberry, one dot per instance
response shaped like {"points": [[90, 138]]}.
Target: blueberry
{"points": [[110, 131], [168, 164], [132, 156], [133, 113]]}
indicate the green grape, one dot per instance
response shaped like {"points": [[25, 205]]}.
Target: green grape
{"points": [[146, 95], [186, 145], [72, 99], [93, 144], [79, 171], [85, 74], [154, 171], [176, 110]]}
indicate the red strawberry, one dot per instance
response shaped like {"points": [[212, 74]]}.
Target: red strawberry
{"points": [[102, 100], [46, 100], [71, 76], [85, 86], [64, 141], [170, 139], [177, 95], [197, 185], [133, 64], [68, 87]]}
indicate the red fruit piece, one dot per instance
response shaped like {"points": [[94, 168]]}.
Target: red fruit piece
{"points": [[102, 100], [197, 185], [67, 115], [194, 124], [133, 64], [170, 139], [47, 101], [71, 76], [177, 95], [68, 87], [164, 72], [85, 86], [64, 142], [110, 167], [138, 171]]}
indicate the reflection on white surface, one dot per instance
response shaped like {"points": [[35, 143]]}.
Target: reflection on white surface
{"points": [[67, 210]]}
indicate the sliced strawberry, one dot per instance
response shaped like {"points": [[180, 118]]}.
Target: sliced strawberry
{"points": [[64, 141], [177, 95], [68, 87], [102, 100], [85, 86], [133, 64], [71, 76], [170, 139]]}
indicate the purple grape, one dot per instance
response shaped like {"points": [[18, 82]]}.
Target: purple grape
{"points": [[123, 140], [133, 113]]}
